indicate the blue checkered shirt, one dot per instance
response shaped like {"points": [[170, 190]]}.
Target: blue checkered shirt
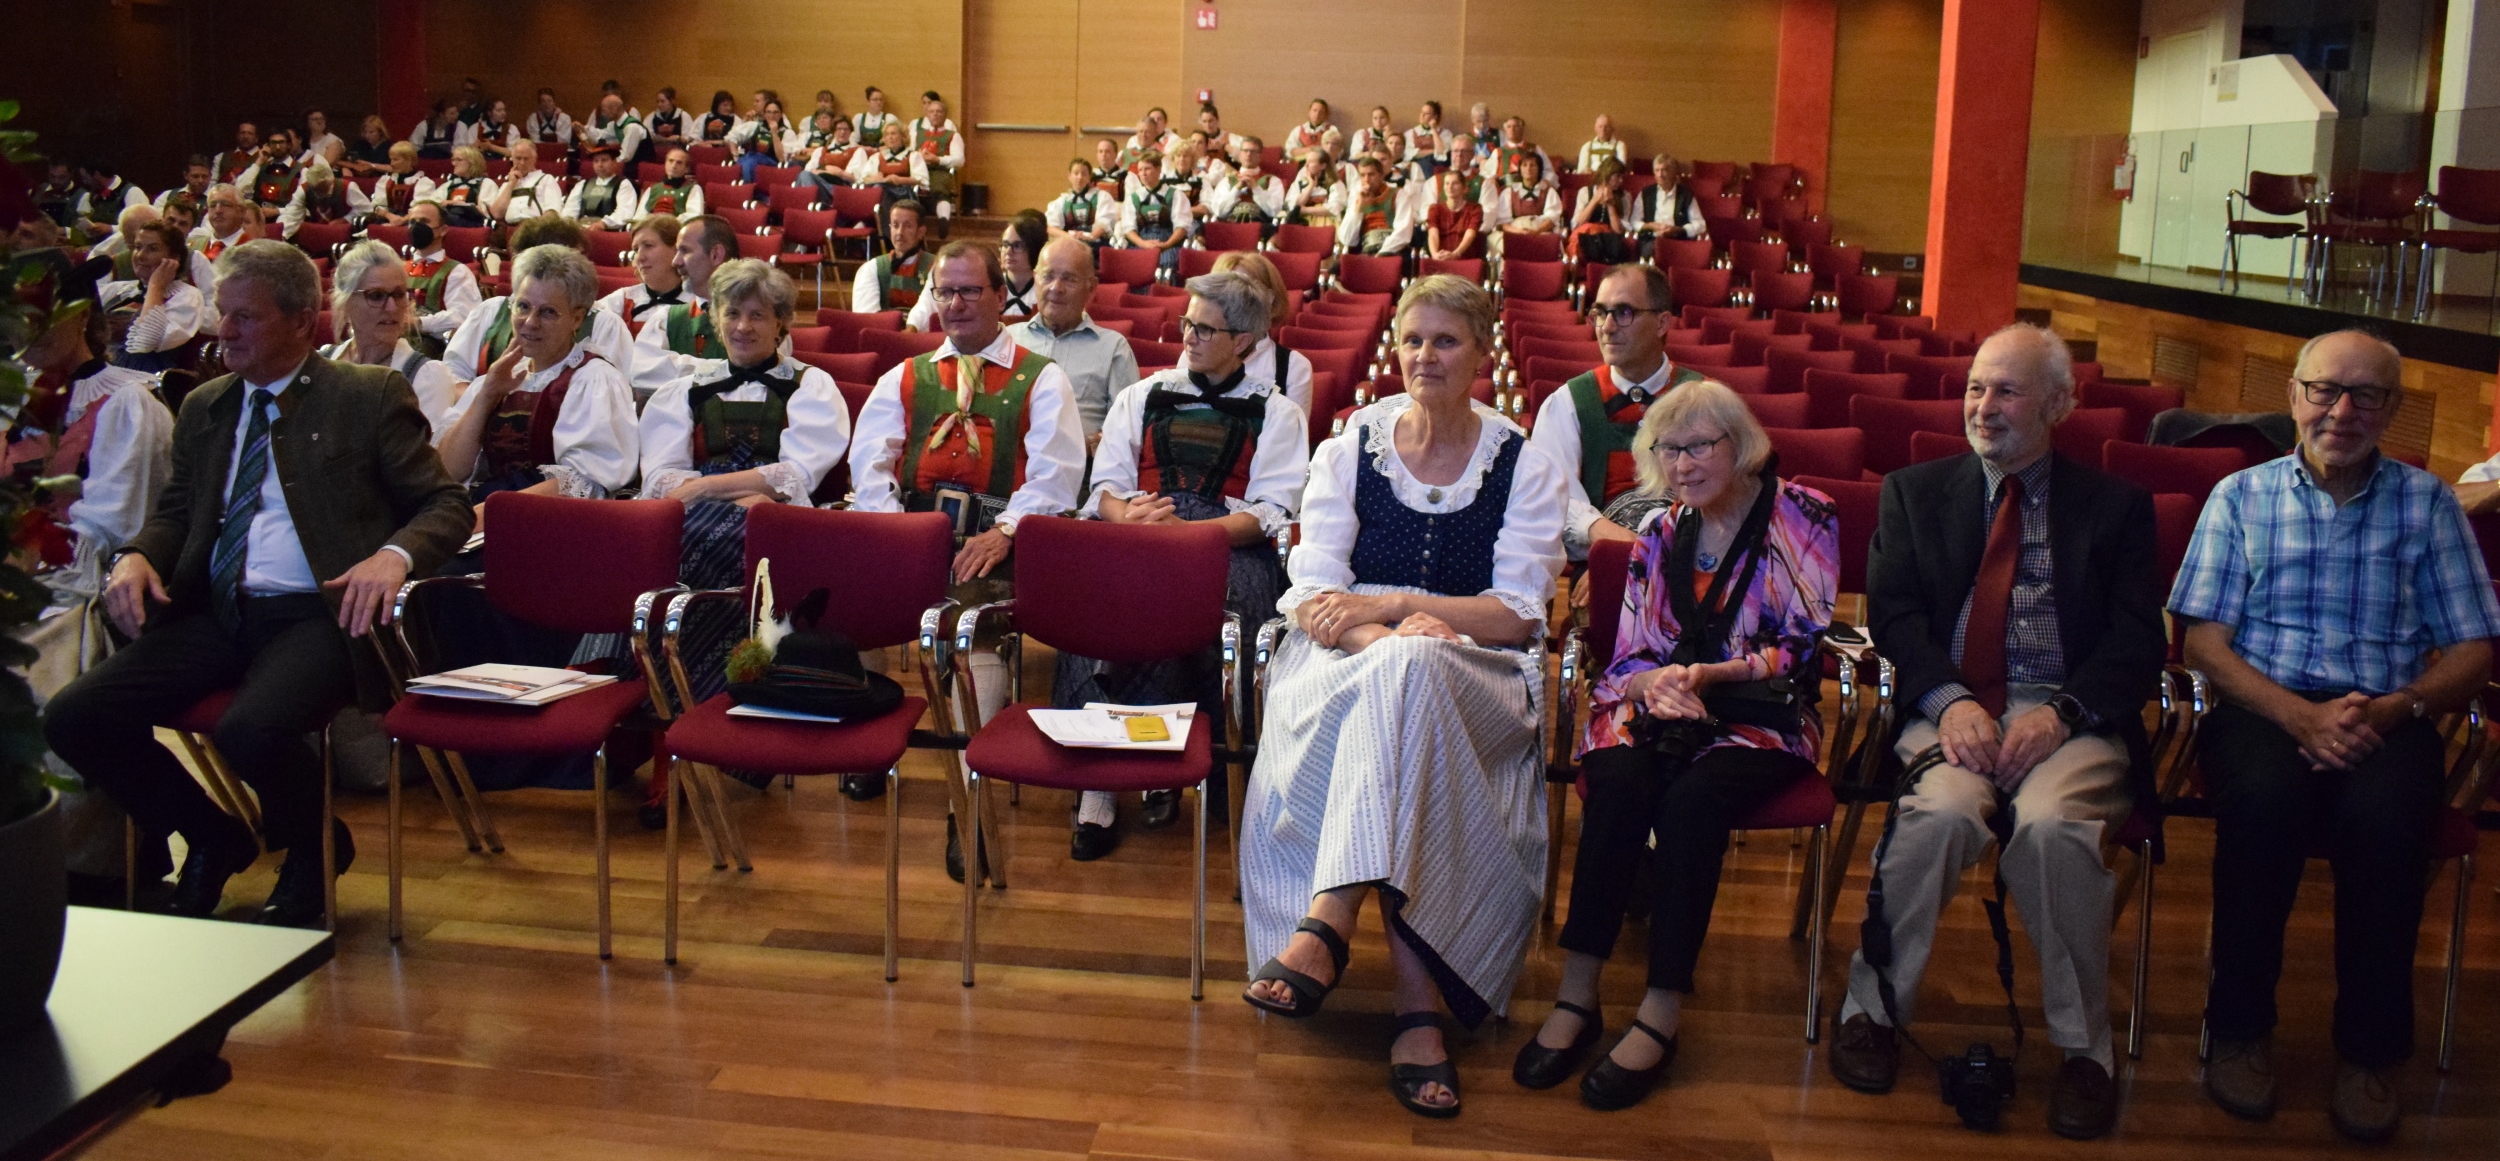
{"points": [[2034, 652], [2328, 599]]}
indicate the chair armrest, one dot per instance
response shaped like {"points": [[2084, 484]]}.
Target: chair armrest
{"points": [[403, 606], [673, 624], [641, 643], [1262, 650], [2192, 711]]}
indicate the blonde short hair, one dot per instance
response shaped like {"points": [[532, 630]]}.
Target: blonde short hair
{"points": [[470, 154], [1705, 404], [1459, 297], [1256, 265]]}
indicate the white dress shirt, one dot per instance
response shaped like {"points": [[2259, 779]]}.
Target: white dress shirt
{"points": [[273, 556], [1557, 432], [1262, 364], [1054, 440], [1105, 213], [615, 218], [431, 379], [868, 294], [819, 431], [535, 193], [1227, 190], [1278, 464], [608, 339], [596, 441], [460, 300]]}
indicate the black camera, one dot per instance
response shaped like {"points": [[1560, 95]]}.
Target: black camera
{"points": [[1978, 1084]]}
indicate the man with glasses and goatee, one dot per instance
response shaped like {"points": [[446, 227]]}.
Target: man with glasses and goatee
{"points": [[2337, 601]]}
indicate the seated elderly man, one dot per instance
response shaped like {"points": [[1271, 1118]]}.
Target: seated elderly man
{"points": [[486, 335], [1665, 208], [1399, 753], [1245, 192], [2014, 589], [446, 291], [895, 276], [526, 191], [1098, 362], [605, 199], [323, 197], [261, 559], [615, 126], [941, 149], [226, 226], [1377, 220], [1602, 148], [1197, 442], [932, 439], [2336, 599]]}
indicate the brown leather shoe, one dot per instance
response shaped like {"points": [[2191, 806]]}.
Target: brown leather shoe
{"points": [[2084, 1105], [2364, 1107], [2239, 1076], [1866, 1055]]}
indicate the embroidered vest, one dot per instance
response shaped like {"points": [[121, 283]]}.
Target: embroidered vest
{"points": [[731, 436], [274, 185], [690, 331], [894, 279], [1108, 181], [428, 280], [934, 143], [521, 436], [599, 197], [543, 127], [1526, 201], [329, 207], [1378, 216], [1078, 217], [1450, 553], [397, 193], [761, 139], [894, 164], [1608, 420], [499, 334], [716, 127], [665, 198], [1199, 445], [939, 442], [1153, 208]]}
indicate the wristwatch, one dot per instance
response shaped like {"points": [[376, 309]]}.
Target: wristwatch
{"points": [[2421, 709], [2070, 711]]}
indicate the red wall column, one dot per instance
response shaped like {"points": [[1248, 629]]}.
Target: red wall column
{"points": [[1801, 115], [1983, 145], [399, 73]]}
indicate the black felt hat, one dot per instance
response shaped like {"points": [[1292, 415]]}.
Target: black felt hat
{"points": [[818, 671]]}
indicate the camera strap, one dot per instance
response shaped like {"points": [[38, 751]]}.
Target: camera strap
{"points": [[1875, 932]]}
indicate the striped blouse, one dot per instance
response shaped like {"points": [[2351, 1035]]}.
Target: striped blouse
{"points": [[1781, 615]]}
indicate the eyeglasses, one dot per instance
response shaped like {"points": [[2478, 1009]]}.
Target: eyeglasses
{"points": [[1667, 452], [378, 296], [2365, 396], [1618, 317], [1193, 331], [950, 295]]}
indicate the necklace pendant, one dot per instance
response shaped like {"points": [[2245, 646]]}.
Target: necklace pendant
{"points": [[1708, 562], [1433, 495]]}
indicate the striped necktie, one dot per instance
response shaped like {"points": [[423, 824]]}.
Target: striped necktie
{"points": [[225, 562]]}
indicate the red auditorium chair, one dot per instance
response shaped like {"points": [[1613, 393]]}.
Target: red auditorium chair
{"points": [[1683, 253], [850, 366], [1864, 296], [811, 338], [1195, 262], [1839, 452], [2080, 435], [1150, 323], [1222, 236], [1932, 376], [1158, 354], [2466, 195], [2142, 401], [1585, 352], [1750, 257], [1370, 273], [1780, 291], [1787, 411], [1306, 340], [1875, 355], [1300, 269], [1559, 370], [1532, 248], [1830, 264], [1706, 354], [1525, 281], [1831, 392], [1889, 422], [894, 348], [1741, 380], [896, 603], [606, 247], [847, 325], [2188, 471], [779, 200], [1749, 346], [533, 552], [744, 219], [855, 216], [1835, 336], [1787, 366], [1304, 239], [1063, 567], [1699, 288], [1122, 266], [1471, 269], [1803, 235], [764, 245], [1935, 445]]}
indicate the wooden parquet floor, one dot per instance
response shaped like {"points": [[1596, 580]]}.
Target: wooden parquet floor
{"points": [[495, 1031]]}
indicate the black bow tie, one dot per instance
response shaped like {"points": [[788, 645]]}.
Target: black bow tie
{"points": [[659, 298], [1210, 395], [761, 374]]}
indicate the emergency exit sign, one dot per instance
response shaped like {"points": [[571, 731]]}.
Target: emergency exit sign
{"points": [[1206, 17]]}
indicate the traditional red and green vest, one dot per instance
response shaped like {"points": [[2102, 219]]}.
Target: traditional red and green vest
{"points": [[762, 139], [599, 196], [232, 163], [326, 207], [733, 436], [1191, 443], [427, 280], [521, 436], [1608, 420], [690, 332], [717, 127], [1377, 216], [499, 333], [891, 164], [275, 184], [869, 128], [461, 191], [670, 199], [894, 278], [934, 142], [1153, 208], [982, 451], [399, 191]]}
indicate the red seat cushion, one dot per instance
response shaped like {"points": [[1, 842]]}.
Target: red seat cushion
{"points": [[204, 714], [2453, 836], [1013, 749], [1808, 801], [575, 725], [708, 734]]}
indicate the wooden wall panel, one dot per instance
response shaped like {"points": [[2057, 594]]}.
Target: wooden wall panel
{"points": [[1692, 77], [1128, 58], [1018, 69], [2082, 100], [794, 46], [1264, 65], [1884, 122]]}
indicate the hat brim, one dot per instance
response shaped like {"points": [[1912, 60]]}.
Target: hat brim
{"points": [[881, 697]]}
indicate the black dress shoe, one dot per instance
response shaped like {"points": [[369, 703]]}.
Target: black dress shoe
{"points": [[955, 853], [652, 815], [1610, 1086], [1091, 841], [1163, 808], [863, 787], [297, 900], [2084, 1105], [212, 860], [1539, 1067], [1866, 1055]]}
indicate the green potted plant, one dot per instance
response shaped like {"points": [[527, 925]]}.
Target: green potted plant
{"points": [[34, 899]]}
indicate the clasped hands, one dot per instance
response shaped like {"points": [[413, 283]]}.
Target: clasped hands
{"points": [[1351, 621], [1973, 741]]}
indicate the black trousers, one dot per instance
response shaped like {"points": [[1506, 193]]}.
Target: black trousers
{"points": [[289, 659], [2372, 823], [1631, 793]]}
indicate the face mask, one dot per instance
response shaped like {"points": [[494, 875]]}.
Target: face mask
{"points": [[421, 236]]}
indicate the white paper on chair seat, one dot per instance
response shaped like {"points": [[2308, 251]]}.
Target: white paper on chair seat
{"points": [[530, 685], [1102, 726], [780, 715]]}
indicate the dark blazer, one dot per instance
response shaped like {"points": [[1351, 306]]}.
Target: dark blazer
{"points": [[1920, 570], [353, 455]]}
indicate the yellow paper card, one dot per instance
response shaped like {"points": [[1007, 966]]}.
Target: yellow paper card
{"points": [[1147, 728]]}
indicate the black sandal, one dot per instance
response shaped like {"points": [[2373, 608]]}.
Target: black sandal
{"points": [[1308, 993], [1610, 1086], [1407, 1081], [1539, 1067]]}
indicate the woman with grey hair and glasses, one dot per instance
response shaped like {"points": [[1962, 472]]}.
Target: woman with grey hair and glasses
{"points": [[1201, 441], [370, 303], [548, 416]]}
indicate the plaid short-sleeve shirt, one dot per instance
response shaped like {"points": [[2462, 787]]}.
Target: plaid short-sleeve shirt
{"points": [[2329, 599]]}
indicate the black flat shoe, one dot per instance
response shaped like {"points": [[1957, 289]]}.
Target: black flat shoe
{"points": [[863, 787], [1407, 1081], [1308, 993], [1539, 1067], [652, 815], [1091, 841], [205, 868], [955, 854], [1163, 808], [1610, 1086], [297, 900]]}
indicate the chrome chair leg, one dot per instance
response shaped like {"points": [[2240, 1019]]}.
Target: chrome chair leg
{"points": [[2456, 958], [893, 864], [599, 825], [668, 913], [1198, 907], [2143, 951], [971, 839], [391, 835], [1819, 866]]}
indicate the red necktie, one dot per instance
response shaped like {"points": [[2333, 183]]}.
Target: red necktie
{"points": [[1983, 636]]}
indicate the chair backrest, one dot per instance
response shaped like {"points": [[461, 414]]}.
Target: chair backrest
{"points": [[855, 203], [846, 325], [1750, 345], [893, 348], [1300, 269], [1063, 568], [1860, 503], [2188, 471], [1315, 339], [536, 547], [1583, 352], [759, 245], [1705, 287], [1528, 281], [1315, 321], [1750, 256], [1771, 410], [1935, 445], [2281, 194], [1151, 353], [2080, 435], [1889, 422], [608, 247], [1531, 248], [807, 227], [803, 338], [2469, 195], [1145, 322], [1471, 269], [1831, 391], [1741, 380], [1839, 452], [842, 365], [1194, 262], [1557, 368], [2141, 401], [1782, 291], [1130, 267], [1930, 373], [1706, 354], [744, 219], [819, 548], [1835, 336], [395, 237], [1683, 253], [1348, 365], [461, 243], [1221, 236], [1610, 566], [1722, 172], [785, 197], [317, 239], [1805, 235], [2381, 195], [1788, 365], [1865, 295], [1370, 273], [1722, 328], [1562, 327], [1304, 239]]}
